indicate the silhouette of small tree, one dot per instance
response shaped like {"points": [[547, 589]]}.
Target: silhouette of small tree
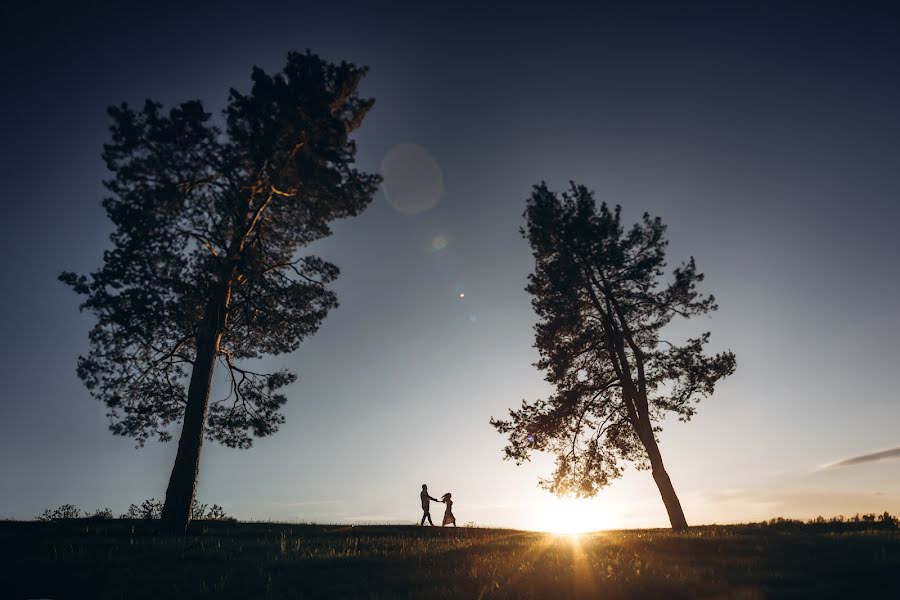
{"points": [[204, 264], [150, 509], [601, 305], [102, 513], [217, 513], [198, 511], [64, 511]]}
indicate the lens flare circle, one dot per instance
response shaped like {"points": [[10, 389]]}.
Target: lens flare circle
{"points": [[439, 242], [413, 182]]}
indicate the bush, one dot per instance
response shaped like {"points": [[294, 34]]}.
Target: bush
{"points": [[148, 510], [151, 509], [65, 511], [217, 513], [101, 513], [198, 511]]}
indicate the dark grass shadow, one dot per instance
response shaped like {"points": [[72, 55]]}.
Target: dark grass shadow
{"points": [[130, 560]]}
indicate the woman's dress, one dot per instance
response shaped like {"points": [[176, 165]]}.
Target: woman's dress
{"points": [[448, 514]]}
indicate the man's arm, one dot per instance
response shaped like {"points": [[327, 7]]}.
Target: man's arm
{"points": [[435, 499]]}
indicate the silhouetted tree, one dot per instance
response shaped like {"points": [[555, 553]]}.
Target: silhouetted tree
{"points": [[133, 512], [64, 511], [102, 514], [217, 513], [204, 264], [148, 510], [602, 305]]}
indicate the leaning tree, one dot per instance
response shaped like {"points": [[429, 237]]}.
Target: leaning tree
{"points": [[602, 306], [206, 263]]}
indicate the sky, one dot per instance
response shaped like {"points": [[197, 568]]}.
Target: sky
{"points": [[765, 135]]}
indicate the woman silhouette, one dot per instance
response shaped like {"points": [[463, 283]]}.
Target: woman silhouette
{"points": [[448, 513]]}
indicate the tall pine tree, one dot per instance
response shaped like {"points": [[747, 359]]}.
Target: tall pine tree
{"points": [[602, 307], [206, 263]]}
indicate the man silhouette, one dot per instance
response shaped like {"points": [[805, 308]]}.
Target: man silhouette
{"points": [[426, 502]]}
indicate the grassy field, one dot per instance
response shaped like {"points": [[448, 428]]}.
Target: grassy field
{"points": [[127, 559]]}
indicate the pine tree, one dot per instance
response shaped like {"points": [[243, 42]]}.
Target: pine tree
{"points": [[206, 263], [602, 307]]}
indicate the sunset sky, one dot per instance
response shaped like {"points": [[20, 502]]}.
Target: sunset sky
{"points": [[767, 137]]}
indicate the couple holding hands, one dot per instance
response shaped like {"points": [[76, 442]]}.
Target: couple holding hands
{"points": [[426, 503]]}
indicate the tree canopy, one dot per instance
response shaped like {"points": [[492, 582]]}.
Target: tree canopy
{"points": [[195, 206]]}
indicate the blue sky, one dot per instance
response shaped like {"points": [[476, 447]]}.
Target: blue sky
{"points": [[764, 135]]}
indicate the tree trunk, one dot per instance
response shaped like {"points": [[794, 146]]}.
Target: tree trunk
{"points": [[176, 513], [666, 489]]}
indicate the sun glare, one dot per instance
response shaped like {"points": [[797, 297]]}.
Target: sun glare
{"points": [[571, 516]]}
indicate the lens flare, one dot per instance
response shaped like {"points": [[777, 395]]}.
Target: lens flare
{"points": [[413, 182], [439, 242]]}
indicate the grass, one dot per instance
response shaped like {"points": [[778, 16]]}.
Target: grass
{"points": [[129, 560]]}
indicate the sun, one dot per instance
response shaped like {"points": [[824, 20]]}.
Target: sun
{"points": [[571, 516]]}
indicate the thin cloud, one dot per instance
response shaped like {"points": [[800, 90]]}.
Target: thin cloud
{"points": [[890, 454]]}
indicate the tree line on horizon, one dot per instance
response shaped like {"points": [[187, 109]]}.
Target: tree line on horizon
{"points": [[207, 267], [148, 510]]}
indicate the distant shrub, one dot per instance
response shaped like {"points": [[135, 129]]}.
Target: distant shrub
{"points": [[205, 512], [217, 513], [151, 509], [148, 510], [101, 513], [198, 511], [65, 511]]}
